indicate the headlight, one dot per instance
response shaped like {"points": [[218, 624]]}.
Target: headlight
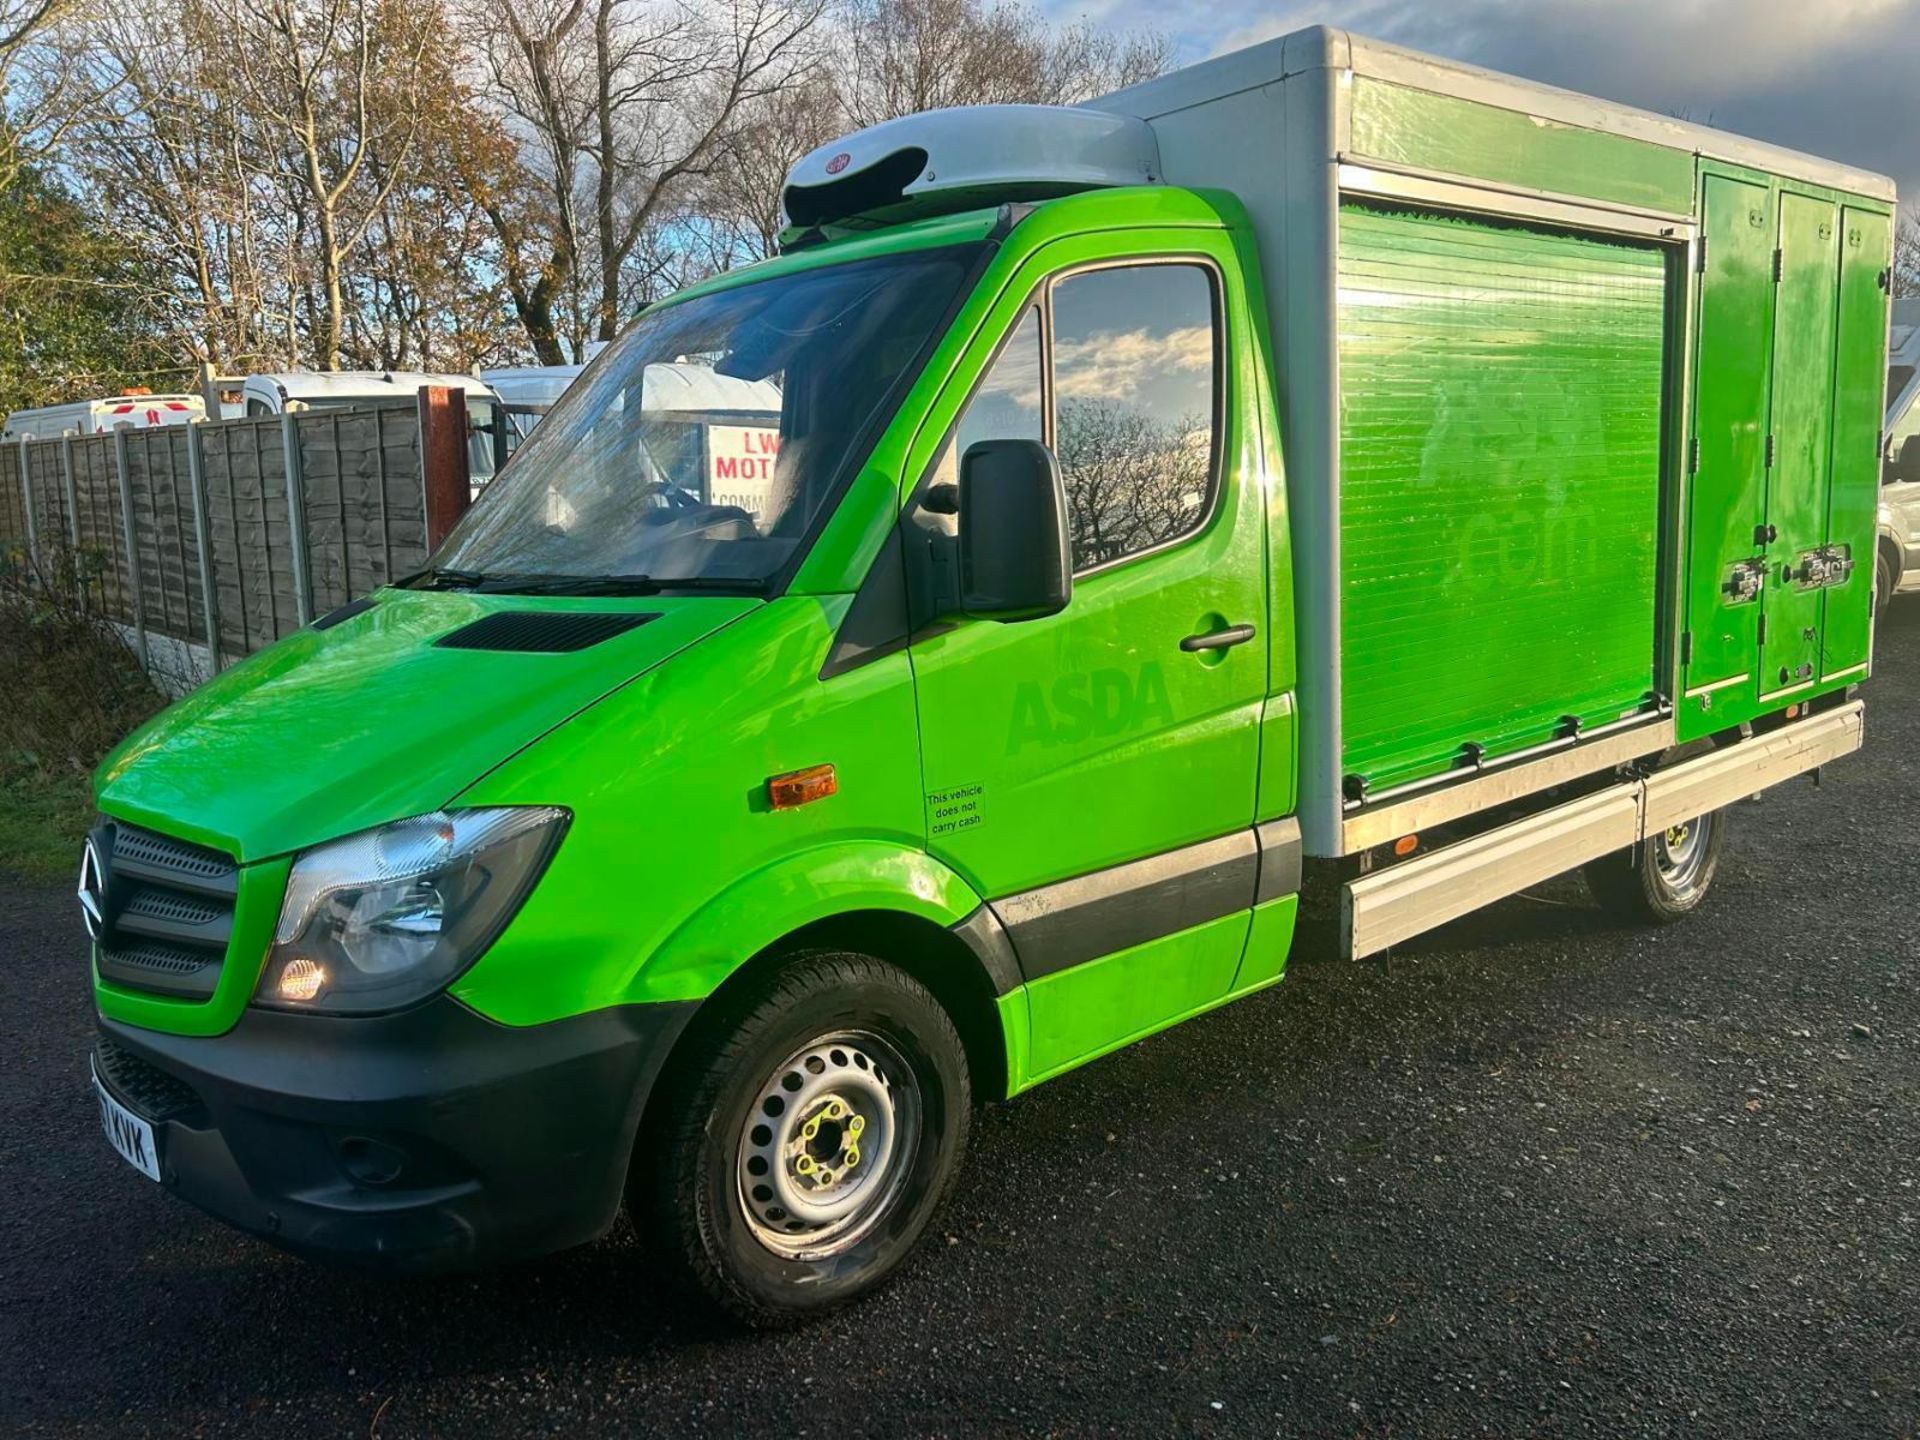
{"points": [[389, 916]]}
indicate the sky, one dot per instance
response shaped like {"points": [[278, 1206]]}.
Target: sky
{"points": [[1837, 78]]}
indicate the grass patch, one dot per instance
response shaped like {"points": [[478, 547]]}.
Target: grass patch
{"points": [[42, 821], [69, 690]]}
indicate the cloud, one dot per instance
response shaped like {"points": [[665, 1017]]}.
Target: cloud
{"points": [[1161, 371], [1836, 78]]}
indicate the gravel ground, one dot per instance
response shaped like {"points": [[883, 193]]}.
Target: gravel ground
{"points": [[1543, 1174]]}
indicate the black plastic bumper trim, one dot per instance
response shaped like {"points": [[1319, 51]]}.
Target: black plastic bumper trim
{"points": [[430, 1139]]}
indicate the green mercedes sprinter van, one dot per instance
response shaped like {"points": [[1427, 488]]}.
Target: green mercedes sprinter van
{"points": [[1324, 476]]}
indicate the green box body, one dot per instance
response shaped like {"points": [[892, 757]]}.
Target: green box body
{"points": [[1541, 389]]}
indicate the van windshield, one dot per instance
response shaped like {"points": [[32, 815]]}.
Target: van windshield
{"points": [[702, 444]]}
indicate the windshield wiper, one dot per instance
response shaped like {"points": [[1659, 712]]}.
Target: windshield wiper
{"points": [[438, 579], [613, 585]]}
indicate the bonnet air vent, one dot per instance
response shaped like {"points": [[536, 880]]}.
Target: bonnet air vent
{"points": [[344, 613], [542, 632]]}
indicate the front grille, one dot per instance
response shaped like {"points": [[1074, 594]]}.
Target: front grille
{"points": [[168, 906], [148, 1089]]}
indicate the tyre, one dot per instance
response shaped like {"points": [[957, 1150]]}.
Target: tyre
{"points": [[1666, 876], [807, 1141], [1884, 580]]}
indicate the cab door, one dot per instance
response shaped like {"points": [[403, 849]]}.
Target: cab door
{"points": [[1093, 773]]}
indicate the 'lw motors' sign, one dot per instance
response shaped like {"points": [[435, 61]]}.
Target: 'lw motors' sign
{"points": [[740, 466]]}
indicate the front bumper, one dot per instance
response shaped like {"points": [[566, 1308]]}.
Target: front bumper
{"points": [[429, 1139]]}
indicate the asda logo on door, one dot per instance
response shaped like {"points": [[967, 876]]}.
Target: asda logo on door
{"points": [[1073, 708]]}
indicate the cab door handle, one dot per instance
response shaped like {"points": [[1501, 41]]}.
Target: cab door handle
{"points": [[1218, 639]]}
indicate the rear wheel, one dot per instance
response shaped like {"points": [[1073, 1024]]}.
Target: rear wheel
{"points": [[1664, 877], [803, 1150]]}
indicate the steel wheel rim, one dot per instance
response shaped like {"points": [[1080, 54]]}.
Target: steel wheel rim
{"points": [[827, 1145], [1680, 852]]}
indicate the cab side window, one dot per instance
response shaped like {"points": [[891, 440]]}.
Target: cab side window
{"points": [[1126, 394], [1134, 359]]}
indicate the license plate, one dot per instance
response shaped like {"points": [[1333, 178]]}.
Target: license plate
{"points": [[127, 1132]]}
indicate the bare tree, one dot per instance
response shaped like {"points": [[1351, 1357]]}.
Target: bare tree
{"points": [[896, 57], [1906, 257], [904, 56], [330, 83], [39, 81], [621, 107], [161, 147], [740, 196]]}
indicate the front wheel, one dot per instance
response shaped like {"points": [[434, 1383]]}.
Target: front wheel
{"points": [[1664, 877], [1884, 579], [804, 1149]]}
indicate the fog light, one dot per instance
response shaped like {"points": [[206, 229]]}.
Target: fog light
{"points": [[302, 979], [370, 1162]]}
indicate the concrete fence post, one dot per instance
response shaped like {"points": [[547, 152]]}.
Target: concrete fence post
{"points": [[26, 496], [73, 492], [297, 516], [202, 540], [133, 546]]}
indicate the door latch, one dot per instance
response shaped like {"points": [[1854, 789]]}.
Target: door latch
{"points": [[1745, 583]]}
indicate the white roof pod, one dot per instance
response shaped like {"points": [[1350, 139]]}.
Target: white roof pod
{"points": [[967, 156]]}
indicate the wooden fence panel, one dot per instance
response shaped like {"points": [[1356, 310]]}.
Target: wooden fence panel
{"points": [[13, 508], [47, 478], [365, 511], [164, 534], [249, 536], [102, 548], [364, 521]]}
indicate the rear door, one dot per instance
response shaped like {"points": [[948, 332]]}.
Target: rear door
{"points": [[1727, 564], [1859, 382], [1801, 439]]}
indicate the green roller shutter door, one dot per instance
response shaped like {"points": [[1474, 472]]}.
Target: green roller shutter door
{"points": [[1499, 488]]}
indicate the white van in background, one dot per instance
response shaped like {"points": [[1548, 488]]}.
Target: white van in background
{"points": [[1896, 561], [135, 410], [276, 393], [528, 392]]}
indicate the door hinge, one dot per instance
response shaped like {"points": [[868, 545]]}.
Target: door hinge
{"points": [[1703, 255], [1761, 628], [1769, 452], [1686, 647], [1693, 456], [1779, 264], [1886, 278]]}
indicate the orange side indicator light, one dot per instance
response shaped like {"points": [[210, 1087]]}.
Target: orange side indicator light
{"points": [[1406, 845], [801, 787]]}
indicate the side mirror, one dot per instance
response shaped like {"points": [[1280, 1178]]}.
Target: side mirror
{"points": [[1014, 557]]}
